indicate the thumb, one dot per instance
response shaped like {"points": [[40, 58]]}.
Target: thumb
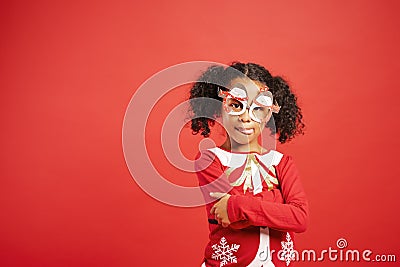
{"points": [[225, 224]]}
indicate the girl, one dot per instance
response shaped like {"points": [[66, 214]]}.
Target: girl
{"points": [[256, 200]]}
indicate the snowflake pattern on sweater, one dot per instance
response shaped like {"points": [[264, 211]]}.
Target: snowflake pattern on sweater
{"points": [[224, 253]]}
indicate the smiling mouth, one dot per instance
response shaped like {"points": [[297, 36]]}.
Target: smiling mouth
{"points": [[246, 131]]}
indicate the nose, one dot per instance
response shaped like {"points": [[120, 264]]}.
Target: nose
{"points": [[245, 117]]}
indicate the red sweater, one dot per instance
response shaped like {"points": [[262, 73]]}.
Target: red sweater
{"points": [[266, 206]]}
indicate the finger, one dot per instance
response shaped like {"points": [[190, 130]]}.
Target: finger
{"points": [[212, 211], [217, 195], [225, 224]]}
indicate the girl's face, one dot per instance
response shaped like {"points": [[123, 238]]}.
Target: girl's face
{"points": [[242, 130]]}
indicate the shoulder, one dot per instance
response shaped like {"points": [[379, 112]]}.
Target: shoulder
{"points": [[286, 167], [285, 160], [208, 167], [205, 158]]}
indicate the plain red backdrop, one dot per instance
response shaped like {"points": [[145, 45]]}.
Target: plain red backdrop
{"points": [[70, 68]]}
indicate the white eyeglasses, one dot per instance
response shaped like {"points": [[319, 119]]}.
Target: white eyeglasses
{"points": [[235, 103]]}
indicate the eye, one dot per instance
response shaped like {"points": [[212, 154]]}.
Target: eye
{"points": [[260, 109], [235, 105]]}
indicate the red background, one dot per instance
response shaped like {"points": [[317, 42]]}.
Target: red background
{"points": [[70, 68]]}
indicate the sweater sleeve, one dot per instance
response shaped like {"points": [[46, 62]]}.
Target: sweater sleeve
{"points": [[211, 176], [292, 215]]}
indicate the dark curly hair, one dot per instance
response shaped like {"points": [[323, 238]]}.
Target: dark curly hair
{"points": [[288, 122]]}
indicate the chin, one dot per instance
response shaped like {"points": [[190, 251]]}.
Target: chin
{"points": [[243, 140]]}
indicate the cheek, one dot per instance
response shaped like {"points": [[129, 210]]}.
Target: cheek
{"points": [[227, 119]]}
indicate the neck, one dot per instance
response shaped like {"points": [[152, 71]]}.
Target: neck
{"points": [[231, 145]]}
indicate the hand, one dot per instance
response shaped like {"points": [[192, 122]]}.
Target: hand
{"points": [[220, 209]]}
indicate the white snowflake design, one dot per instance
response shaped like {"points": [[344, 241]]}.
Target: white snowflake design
{"points": [[288, 253], [224, 252]]}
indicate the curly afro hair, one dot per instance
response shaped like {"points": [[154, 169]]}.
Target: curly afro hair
{"points": [[288, 122]]}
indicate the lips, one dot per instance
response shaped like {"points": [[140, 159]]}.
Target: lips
{"points": [[246, 131]]}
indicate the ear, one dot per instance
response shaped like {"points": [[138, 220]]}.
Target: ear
{"points": [[275, 107]]}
